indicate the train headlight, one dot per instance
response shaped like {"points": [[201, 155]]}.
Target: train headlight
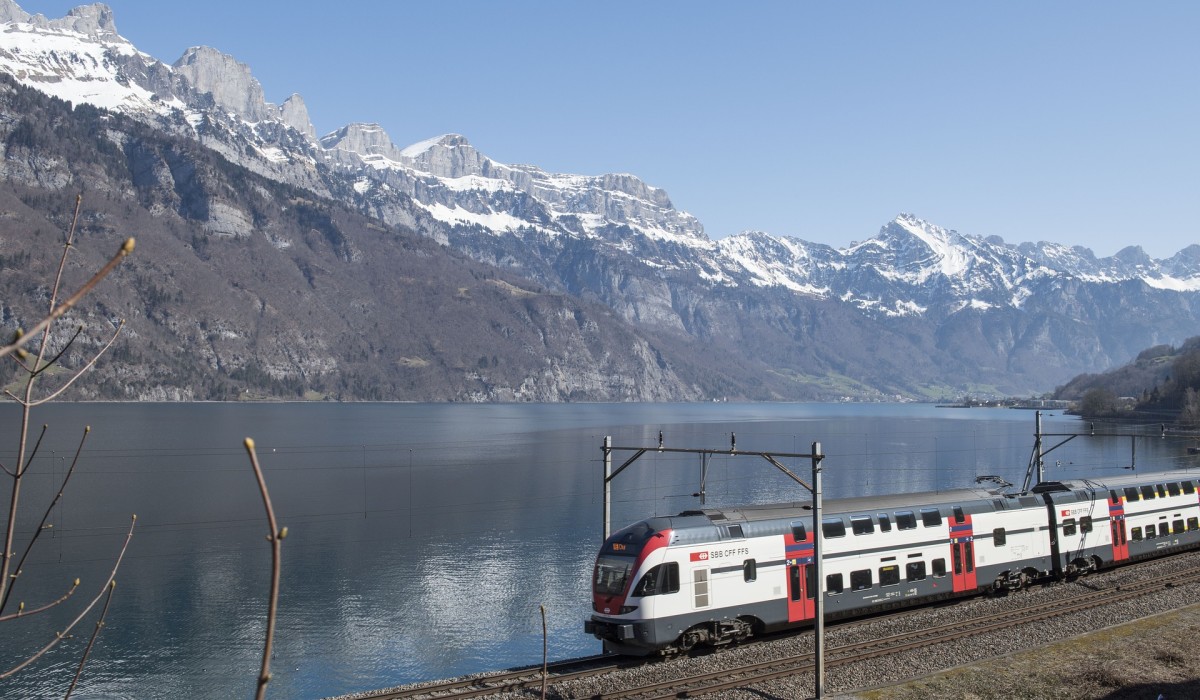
{"points": [[626, 609]]}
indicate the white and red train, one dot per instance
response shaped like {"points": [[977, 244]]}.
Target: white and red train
{"points": [[712, 576]]}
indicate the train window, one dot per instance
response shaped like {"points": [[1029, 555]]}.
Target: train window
{"points": [[905, 520], [1188, 487], [660, 580], [700, 587], [1148, 492], [939, 568], [794, 583], [862, 524], [798, 532], [810, 582], [959, 516], [1114, 497], [749, 570], [1173, 488], [999, 537], [735, 532], [915, 571], [1162, 491], [956, 554], [885, 524], [1085, 524], [833, 527], [931, 517], [1068, 526], [1151, 532], [1177, 526], [833, 584], [1131, 494], [860, 580], [1193, 523], [611, 575], [889, 575], [969, 550], [1135, 534]]}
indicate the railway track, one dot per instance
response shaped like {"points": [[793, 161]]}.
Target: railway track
{"points": [[560, 674], [873, 649]]}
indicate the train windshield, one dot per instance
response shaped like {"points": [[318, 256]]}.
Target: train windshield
{"points": [[612, 573]]}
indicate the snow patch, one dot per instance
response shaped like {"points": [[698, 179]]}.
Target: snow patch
{"points": [[494, 221], [422, 146], [1191, 284]]}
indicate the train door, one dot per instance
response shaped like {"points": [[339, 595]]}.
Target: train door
{"points": [[1116, 519], [801, 573], [962, 551]]}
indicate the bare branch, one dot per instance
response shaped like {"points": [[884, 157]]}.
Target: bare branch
{"points": [[126, 249], [83, 369], [59, 636], [21, 612], [20, 363], [112, 586], [62, 266], [51, 362], [36, 446], [42, 525], [275, 537]]}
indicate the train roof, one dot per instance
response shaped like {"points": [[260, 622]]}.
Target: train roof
{"points": [[708, 517], [836, 506], [1132, 479]]}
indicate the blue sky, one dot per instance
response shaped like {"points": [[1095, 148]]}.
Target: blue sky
{"points": [[1073, 122]]}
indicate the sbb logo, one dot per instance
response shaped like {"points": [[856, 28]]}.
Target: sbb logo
{"points": [[699, 556]]}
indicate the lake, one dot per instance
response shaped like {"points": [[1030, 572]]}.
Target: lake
{"points": [[422, 537]]}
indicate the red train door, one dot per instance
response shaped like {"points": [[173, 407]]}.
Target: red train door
{"points": [[962, 551], [1116, 519], [802, 584]]}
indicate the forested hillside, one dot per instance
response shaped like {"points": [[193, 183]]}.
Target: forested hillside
{"points": [[1162, 382]]}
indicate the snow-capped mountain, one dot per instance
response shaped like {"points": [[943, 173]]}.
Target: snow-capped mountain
{"points": [[613, 238], [212, 97]]}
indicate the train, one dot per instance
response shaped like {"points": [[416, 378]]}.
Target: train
{"points": [[716, 576]]}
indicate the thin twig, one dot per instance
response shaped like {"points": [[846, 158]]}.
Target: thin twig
{"points": [[36, 446], [112, 586], [42, 525], [67, 346], [275, 537], [21, 612], [59, 636], [21, 363], [79, 373], [126, 249]]}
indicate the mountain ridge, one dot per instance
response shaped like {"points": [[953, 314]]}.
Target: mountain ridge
{"points": [[1015, 318]]}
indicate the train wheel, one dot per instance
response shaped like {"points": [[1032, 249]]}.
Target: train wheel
{"points": [[692, 637]]}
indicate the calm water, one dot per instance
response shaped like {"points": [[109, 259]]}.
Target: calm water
{"points": [[422, 538]]}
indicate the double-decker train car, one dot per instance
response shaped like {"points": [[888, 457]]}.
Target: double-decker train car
{"points": [[716, 576]]}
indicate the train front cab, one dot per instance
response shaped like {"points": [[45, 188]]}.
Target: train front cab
{"points": [[622, 615]]}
